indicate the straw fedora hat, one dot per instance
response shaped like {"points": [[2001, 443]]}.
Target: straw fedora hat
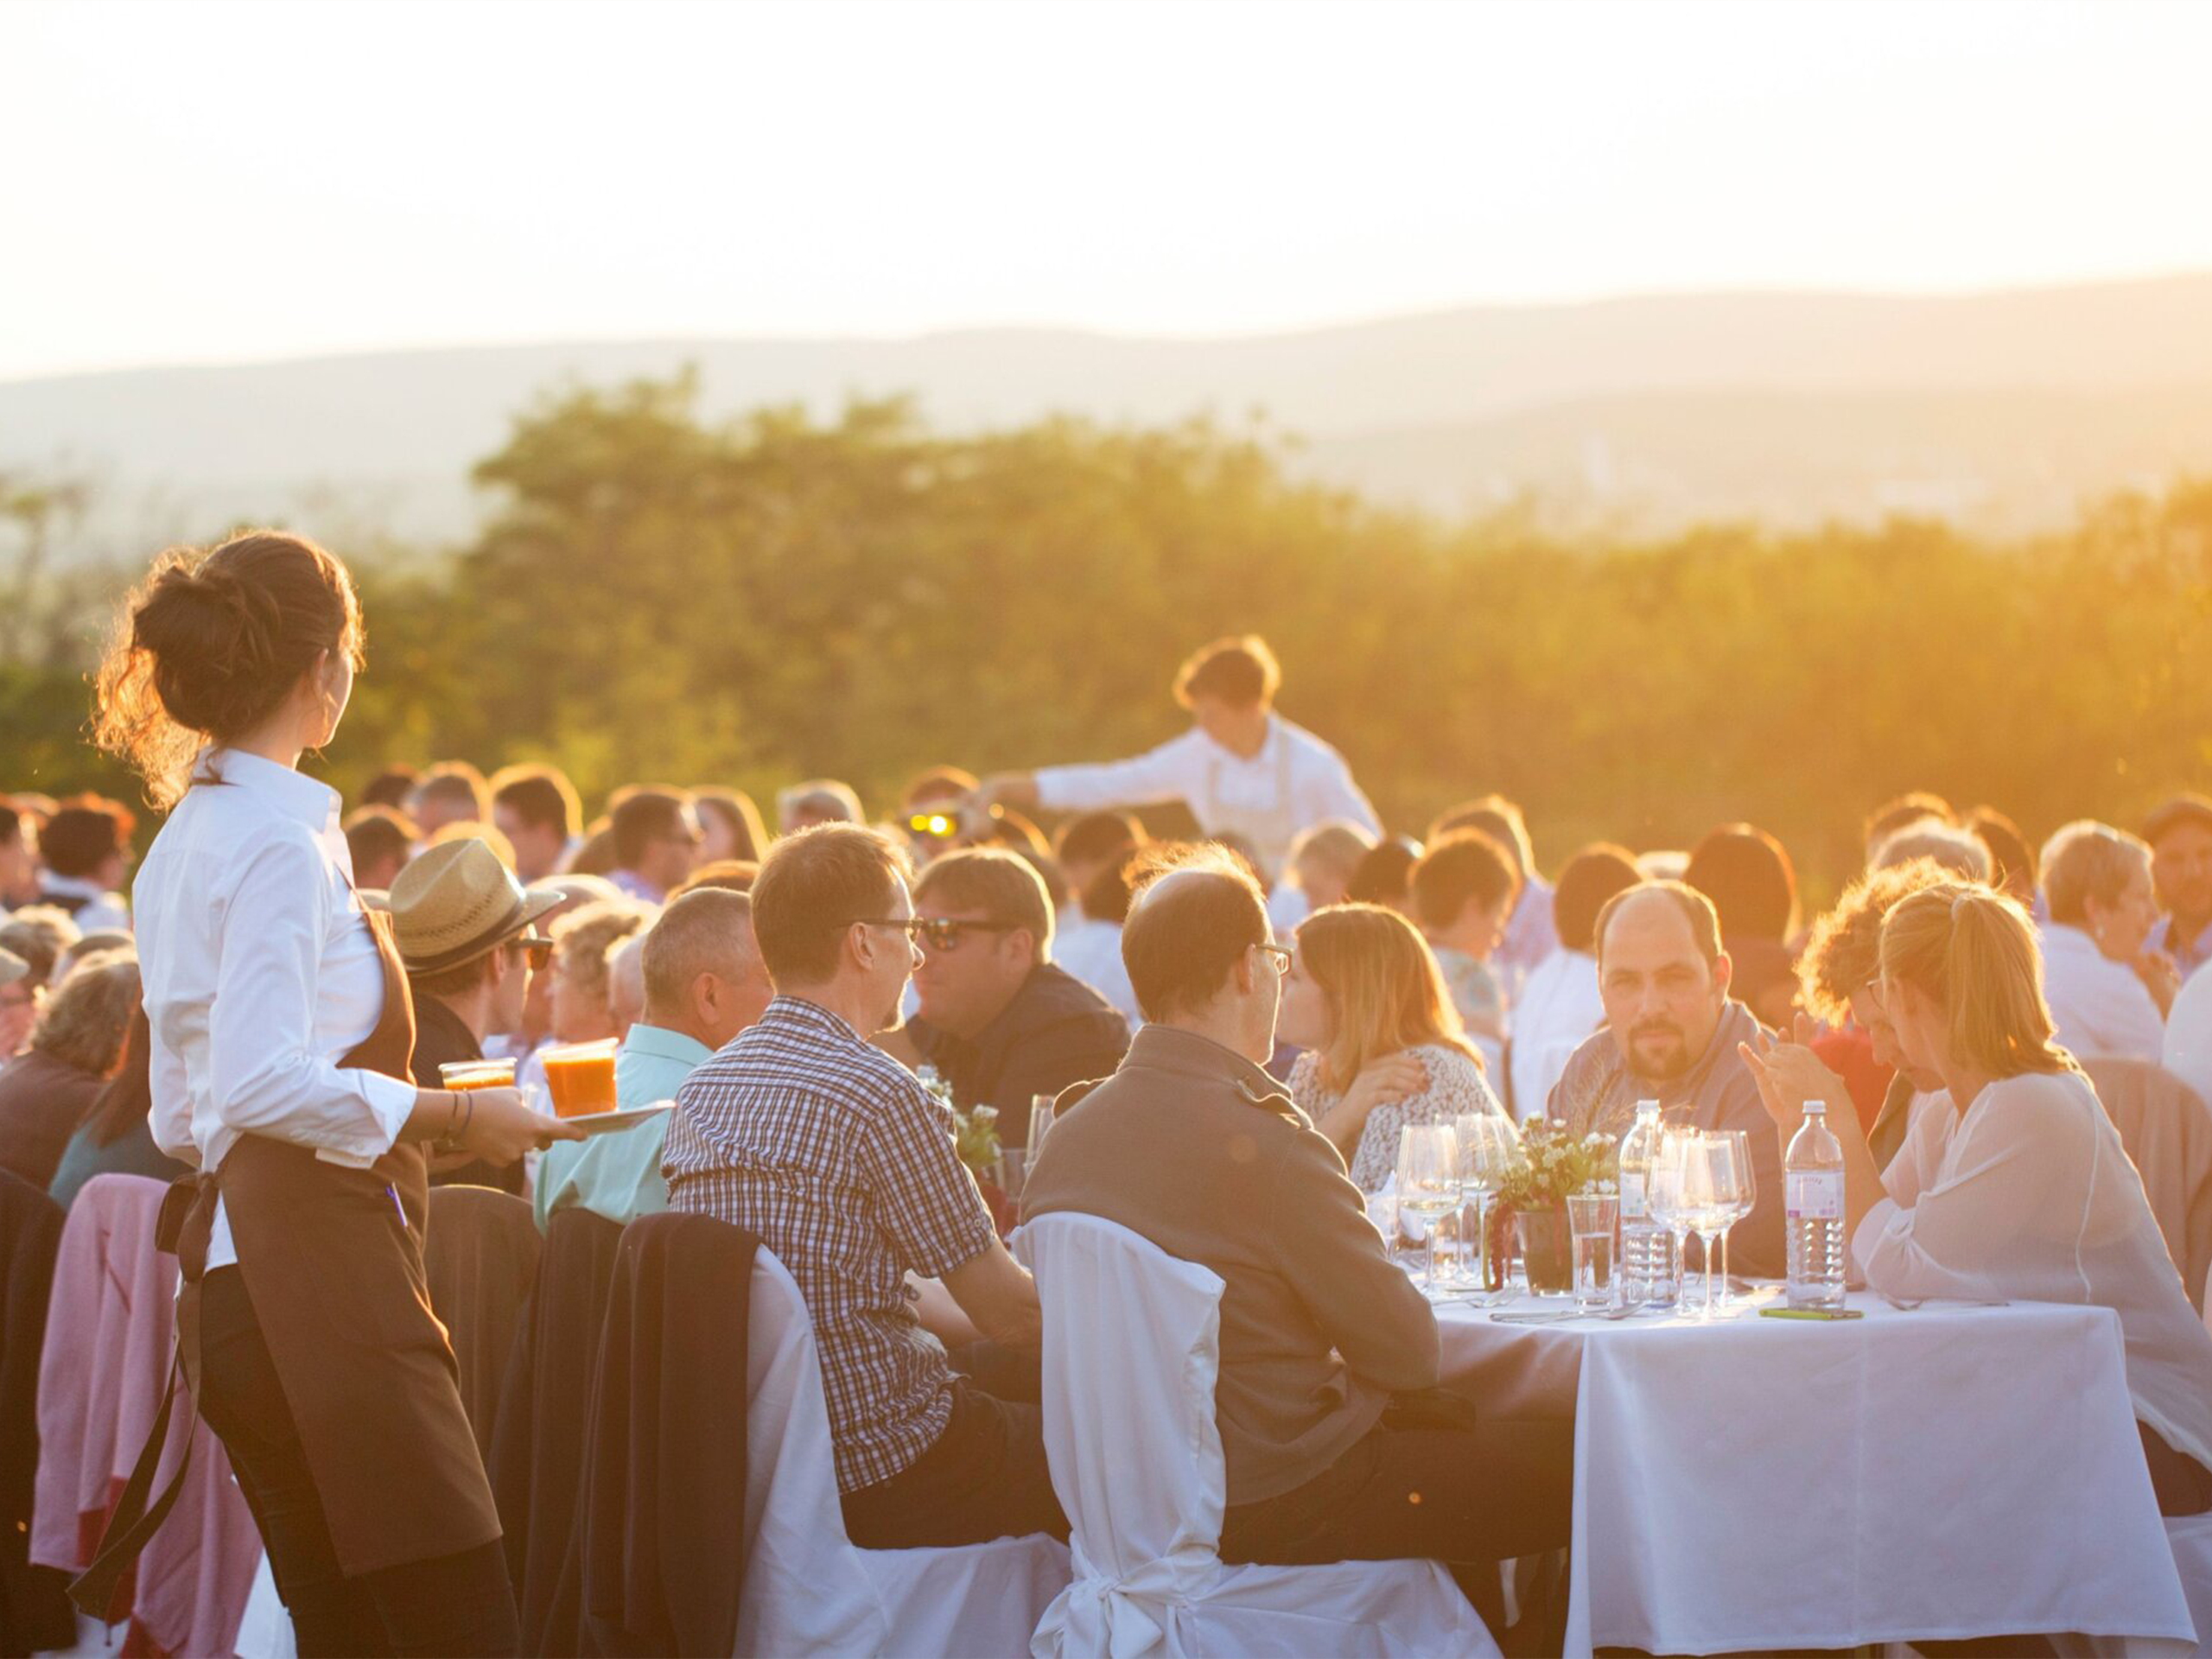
{"points": [[457, 902]]}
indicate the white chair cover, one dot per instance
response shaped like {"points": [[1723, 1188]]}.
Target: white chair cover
{"points": [[807, 1589], [1131, 1354]]}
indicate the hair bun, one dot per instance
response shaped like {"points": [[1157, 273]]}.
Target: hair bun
{"points": [[210, 617]]}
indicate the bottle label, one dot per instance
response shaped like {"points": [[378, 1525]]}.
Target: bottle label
{"points": [[1815, 1195], [1633, 1207]]}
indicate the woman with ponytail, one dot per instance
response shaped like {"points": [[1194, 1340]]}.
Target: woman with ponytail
{"points": [[2021, 1190], [280, 1033]]}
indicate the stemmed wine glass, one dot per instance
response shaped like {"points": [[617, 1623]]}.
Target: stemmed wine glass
{"points": [[1741, 1195], [1665, 1194], [1708, 1202], [1428, 1180], [1487, 1146]]}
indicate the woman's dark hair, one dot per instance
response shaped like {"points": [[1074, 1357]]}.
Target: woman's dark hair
{"points": [[391, 787], [127, 1098], [1585, 882], [734, 810], [1747, 875], [1385, 875], [212, 644], [2008, 850]]}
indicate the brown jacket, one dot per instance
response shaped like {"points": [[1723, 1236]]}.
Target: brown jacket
{"points": [[1199, 1151]]}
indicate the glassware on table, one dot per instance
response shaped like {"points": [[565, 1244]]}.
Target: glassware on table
{"points": [[1708, 1169], [581, 1076], [1428, 1180], [1487, 1145], [1041, 1121], [1741, 1195], [1011, 1170], [1666, 1199], [1591, 1219], [1650, 1271]]}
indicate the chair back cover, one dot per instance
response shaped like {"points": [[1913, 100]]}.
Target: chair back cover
{"points": [[35, 1609], [808, 1589], [480, 1254], [108, 1337], [1132, 1353], [2168, 1133]]}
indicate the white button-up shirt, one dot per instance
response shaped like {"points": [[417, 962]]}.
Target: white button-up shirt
{"points": [[260, 973], [1294, 782], [2099, 1005]]}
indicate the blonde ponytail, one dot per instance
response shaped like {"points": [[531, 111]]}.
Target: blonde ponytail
{"points": [[1974, 952]]}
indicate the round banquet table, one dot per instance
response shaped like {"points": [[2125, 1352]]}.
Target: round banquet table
{"points": [[1956, 1470]]}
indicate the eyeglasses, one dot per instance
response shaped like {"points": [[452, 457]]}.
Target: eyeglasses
{"points": [[941, 933], [1279, 953], [537, 949]]}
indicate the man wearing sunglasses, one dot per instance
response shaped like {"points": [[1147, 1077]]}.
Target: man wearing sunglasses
{"points": [[997, 1019], [466, 932]]}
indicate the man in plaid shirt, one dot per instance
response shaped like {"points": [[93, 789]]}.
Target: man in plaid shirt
{"points": [[832, 1153]]}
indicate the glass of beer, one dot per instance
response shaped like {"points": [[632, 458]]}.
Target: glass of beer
{"points": [[464, 1075], [582, 1077]]}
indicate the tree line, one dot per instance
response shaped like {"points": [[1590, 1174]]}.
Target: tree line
{"points": [[660, 596]]}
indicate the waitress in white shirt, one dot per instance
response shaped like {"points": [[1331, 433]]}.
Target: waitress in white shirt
{"points": [[2030, 1197], [1242, 768], [281, 1031]]}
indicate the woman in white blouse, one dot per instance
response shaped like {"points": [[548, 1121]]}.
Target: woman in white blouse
{"points": [[2108, 992], [2030, 1195], [1384, 1048], [282, 1030]]}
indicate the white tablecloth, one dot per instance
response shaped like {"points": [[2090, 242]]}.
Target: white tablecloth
{"points": [[1755, 1483]]}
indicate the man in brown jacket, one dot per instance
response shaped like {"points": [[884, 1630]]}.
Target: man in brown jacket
{"points": [[1325, 1344]]}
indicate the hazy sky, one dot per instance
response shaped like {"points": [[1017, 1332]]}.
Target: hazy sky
{"points": [[210, 180]]}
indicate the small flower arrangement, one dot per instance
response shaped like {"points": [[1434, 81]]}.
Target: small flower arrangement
{"points": [[1555, 1162], [974, 1132]]}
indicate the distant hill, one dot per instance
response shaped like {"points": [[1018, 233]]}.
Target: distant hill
{"points": [[2001, 410]]}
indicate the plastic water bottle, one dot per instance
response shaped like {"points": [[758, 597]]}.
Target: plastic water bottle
{"points": [[1811, 1171], [1649, 1274]]}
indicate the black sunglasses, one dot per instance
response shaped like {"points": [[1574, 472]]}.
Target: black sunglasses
{"points": [[939, 933], [537, 949]]}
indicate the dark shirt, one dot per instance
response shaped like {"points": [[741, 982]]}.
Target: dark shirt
{"points": [[1598, 1092], [443, 1038], [1200, 1152], [42, 1100], [1057, 1031], [131, 1153]]}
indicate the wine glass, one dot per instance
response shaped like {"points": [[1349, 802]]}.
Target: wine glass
{"points": [[1708, 1187], [1666, 1190], [1741, 1193], [1487, 1145], [1428, 1178]]}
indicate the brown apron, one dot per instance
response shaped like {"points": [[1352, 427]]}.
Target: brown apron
{"points": [[332, 1261]]}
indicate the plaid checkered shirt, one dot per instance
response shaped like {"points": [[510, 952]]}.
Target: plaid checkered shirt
{"points": [[831, 1154]]}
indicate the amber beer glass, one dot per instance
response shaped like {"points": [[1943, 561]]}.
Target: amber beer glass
{"points": [[581, 1076]]}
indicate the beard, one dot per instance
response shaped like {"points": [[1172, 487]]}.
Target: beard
{"points": [[1656, 1061]]}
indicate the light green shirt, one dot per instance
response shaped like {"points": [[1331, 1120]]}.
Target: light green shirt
{"points": [[618, 1175]]}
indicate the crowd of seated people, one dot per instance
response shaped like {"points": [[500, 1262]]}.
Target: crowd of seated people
{"points": [[1277, 999]]}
